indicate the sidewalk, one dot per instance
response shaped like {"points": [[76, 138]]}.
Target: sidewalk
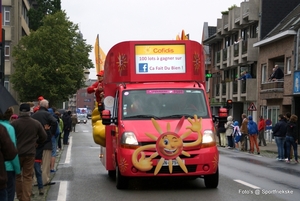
{"points": [[269, 151]]}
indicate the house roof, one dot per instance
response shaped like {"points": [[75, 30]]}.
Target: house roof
{"points": [[287, 27]]}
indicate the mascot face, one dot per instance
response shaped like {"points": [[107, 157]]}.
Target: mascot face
{"points": [[169, 145]]}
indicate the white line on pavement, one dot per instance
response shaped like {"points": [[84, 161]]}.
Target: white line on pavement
{"points": [[68, 155], [62, 192], [246, 184]]}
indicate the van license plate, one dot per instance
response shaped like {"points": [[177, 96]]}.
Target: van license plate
{"points": [[174, 163]]}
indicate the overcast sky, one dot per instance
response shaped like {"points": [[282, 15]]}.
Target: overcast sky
{"points": [[121, 20]]}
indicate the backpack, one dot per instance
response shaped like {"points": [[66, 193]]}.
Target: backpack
{"points": [[236, 131], [252, 128]]}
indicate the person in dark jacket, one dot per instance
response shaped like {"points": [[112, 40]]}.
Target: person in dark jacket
{"points": [[45, 118], [278, 73], [28, 132], [8, 152], [253, 133], [292, 138], [67, 126], [279, 132], [287, 119], [222, 131]]}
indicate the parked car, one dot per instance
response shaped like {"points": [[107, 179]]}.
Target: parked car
{"points": [[89, 115], [82, 119]]}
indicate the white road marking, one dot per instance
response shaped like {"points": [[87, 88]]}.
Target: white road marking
{"points": [[86, 131], [68, 155], [62, 191], [246, 184]]}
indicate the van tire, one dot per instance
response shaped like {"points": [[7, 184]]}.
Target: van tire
{"points": [[112, 174], [212, 181], [121, 181]]}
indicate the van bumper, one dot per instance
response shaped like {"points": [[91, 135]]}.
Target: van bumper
{"points": [[201, 162]]}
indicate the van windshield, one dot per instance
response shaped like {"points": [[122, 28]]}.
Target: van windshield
{"points": [[163, 103]]}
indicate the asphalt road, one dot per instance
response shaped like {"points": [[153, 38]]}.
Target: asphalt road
{"points": [[81, 177]]}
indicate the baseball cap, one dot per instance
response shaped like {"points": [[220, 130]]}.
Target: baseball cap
{"points": [[101, 73], [40, 98]]}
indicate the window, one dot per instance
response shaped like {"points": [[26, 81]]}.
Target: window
{"points": [[24, 13], [264, 73], [7, 51], [253, 31], [163, 103], [6, 84], [83, 94], [6, 15], [245, 34], [288, 65], [273, 112]]}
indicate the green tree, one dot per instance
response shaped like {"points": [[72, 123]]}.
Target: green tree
{"points": [[51, 61], [40, 9]]}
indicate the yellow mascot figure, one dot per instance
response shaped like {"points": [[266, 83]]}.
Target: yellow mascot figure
{"points": [[98, 127]]}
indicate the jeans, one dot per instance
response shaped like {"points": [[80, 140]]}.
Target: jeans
{"points": [[11, 185], [291, 142], [59, 141], [38, 174], [280, 143], [261, 136], [244, 142], [230, 141], [54, 146], [66, 137], [3, 194]]}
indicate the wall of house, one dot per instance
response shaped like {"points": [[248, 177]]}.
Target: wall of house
{"points": [[269, 54]]}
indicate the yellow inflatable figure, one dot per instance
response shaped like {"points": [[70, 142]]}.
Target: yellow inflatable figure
{"points": [[98, 128]]}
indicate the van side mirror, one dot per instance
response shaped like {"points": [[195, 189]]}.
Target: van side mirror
{"points": [[214, 118], [106, 117]]}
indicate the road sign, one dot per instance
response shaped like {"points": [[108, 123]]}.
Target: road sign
{"points": [[252, 107], [268, 122]]}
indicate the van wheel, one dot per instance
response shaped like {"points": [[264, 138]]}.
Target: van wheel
{"points": [[121, 181], [112, 173], [212, 181]]}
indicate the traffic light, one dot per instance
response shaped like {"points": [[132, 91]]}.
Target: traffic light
{"points": [[207, 75], [229, 104]]}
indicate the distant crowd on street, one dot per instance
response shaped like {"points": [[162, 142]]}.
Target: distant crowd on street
{"points": [[29, 143], [234, 136]]}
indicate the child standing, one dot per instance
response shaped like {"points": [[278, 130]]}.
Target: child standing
{"points": [[236, 134]]}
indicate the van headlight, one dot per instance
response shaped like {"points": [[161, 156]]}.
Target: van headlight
{"points": [[129, 138], [208, 136]]}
